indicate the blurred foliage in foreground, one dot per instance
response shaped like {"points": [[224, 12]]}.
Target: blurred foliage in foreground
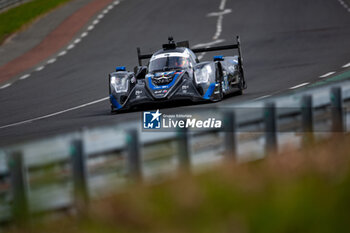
{"points": [[15, 18], [297, 191]]}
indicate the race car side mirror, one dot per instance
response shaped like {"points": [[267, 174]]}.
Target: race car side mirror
{"points": [[141, 72]]}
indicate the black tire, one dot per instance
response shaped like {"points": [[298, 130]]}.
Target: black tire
{"points": [[220, 95], [244, 84], [241, 86], [113, 110]]}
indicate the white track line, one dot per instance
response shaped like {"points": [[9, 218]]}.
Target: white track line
{"points": [[218, 32], [6, 85], [64, 52], [220, 16], [54, 114], [328, 74], [70, 46], [200, 57], [208, 44], [84, 34], [24, 77], [40, 68], [219, 22], [51, 61], [262, 97], [221, 13], [90, 27], [218, 28], [297, 86], [77, 41], [346, 65], [345, 5], [222, 5]]}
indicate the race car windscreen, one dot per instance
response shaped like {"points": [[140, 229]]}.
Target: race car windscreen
{"points": [[168, 63]]}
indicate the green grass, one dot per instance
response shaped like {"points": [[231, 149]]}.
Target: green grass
{"points": [[297, 191], [18, 17]]}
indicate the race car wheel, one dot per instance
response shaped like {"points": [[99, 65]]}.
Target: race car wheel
{"points": [[219, 94], [113, 110], [241, 85]]}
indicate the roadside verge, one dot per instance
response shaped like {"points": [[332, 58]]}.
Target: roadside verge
{"points": [[15, 18], [54, 41]]}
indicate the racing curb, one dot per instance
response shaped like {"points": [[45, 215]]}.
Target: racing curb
{"points": [[54, 41]]}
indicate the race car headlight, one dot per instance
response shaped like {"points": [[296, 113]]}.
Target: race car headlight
{"points": [[202, 75], [120, 83]]}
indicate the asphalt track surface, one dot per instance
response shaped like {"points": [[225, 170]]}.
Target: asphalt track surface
{"points": [[285, 43]]}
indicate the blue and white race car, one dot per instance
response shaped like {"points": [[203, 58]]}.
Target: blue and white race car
{"points": [[174, 73]]}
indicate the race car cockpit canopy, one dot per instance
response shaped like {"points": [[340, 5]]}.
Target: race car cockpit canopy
{"points": [[170, 61], [166, 59]]}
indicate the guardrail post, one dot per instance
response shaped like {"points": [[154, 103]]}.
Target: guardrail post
{"points": [[270, 128], [81, 190], [134, 158], [337, 110], [230, 135], [19, 184], [307, 119], [183, 149]]}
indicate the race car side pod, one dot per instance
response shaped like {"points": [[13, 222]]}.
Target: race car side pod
{"points": [[227, 47]]}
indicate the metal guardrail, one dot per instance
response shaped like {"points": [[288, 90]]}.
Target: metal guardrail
{"points": [[7, 3], [82, 165]]}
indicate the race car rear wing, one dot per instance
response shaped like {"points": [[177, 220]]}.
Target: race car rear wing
{"points": [[142, 56], [198, 50]]}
